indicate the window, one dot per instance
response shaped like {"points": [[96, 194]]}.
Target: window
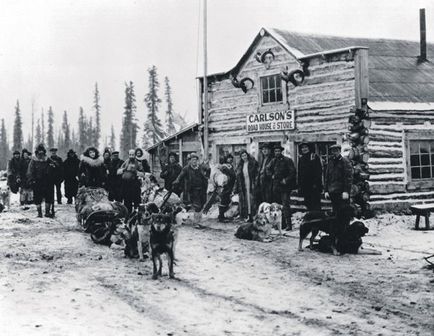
{"points": [[422, 159], [271, 88], [230, 149]]}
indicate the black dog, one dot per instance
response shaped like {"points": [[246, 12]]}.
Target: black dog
{"points": [[349, 242], [316, 221], [162, 241]]}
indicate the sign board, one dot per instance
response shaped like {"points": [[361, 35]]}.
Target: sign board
{"points": [[271, 121]]}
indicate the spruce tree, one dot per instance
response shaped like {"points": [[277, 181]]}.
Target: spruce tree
{"points": [[38, 135], [97, 107], [90, 133], [18, 129], [170, 120], [128, 138], [66, 132], [153, 130], [44, 135], [4, 146], [112, 139], [82, 134], [50, 132]]}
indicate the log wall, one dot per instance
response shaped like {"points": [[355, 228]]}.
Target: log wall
{"points": [[389, 182], [322, 103]]}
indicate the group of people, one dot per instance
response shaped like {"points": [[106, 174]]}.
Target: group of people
{"points": [[272, 179], [39, 178]]}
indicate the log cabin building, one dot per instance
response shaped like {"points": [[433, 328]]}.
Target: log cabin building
{"points": [[290, 87], [183, 142]]}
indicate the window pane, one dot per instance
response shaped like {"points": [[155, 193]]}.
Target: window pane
{"points": [[424, 146], [272, 82], [426, 172], [432, 159], [415, 173], [432, 171], [414, 147], [264, 83], [265, 96], [424, 160], [279, 95], [272, 96], [414, 160]]}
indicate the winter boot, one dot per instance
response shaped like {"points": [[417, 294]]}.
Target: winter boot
{"points": [[221, 218], [48, 212], [39, 208]]}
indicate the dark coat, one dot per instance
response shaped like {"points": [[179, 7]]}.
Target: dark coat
{"points": [[283, 174], [40, 175], [58, 171], [14, 167], [70, 171], [24, 166], [264, 182], [41, 171], [240, 186], [169, 174], [92, 171], [189, 195], [70, 167], [309, 174], [339, 175]]}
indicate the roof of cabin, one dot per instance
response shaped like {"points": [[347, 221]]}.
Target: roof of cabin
{"points": [[394, 72], [181, 132]]}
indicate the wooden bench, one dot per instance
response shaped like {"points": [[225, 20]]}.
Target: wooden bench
{"points": [[422, 210]]}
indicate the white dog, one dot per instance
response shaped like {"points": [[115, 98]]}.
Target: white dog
{"points": [[5, 196], [273, 213]]}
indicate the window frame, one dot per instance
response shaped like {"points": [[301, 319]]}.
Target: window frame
{"points": [[282, 89], [417, 135]]}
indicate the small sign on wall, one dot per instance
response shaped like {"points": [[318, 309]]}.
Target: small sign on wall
{"points": [[271, 121]]}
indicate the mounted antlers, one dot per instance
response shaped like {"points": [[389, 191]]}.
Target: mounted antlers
{"points": [[265, 58], [296, 77], [245, 84]]}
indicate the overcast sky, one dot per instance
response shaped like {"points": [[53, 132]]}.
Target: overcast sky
{"points": [[53, 51]]}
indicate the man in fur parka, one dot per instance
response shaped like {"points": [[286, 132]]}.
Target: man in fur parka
{"points": [[92, 172], [40, 176]]}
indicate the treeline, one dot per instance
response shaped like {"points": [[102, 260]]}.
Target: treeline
{"points": [[88, 131]]}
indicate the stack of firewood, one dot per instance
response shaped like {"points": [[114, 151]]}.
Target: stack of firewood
{"points": [[358, 137]]}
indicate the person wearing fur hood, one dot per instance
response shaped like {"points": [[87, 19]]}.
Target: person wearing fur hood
{"points": [[92, 172], [40, 176]]}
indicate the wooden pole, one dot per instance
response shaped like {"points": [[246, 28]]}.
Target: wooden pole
{"points": [[205, 82]]}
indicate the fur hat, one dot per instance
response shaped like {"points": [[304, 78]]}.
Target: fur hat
{"points": [[53, 149], [40, 148], [266, 145], [335, 147], [194, 155], [16, 152]]}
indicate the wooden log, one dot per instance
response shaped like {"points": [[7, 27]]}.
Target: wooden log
{"points": [[364, 157], [354, 190], [354, 119], [366, 123], [364, 176]]}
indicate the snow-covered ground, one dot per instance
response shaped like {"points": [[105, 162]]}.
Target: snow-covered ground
{"points": [[55, 281]]}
